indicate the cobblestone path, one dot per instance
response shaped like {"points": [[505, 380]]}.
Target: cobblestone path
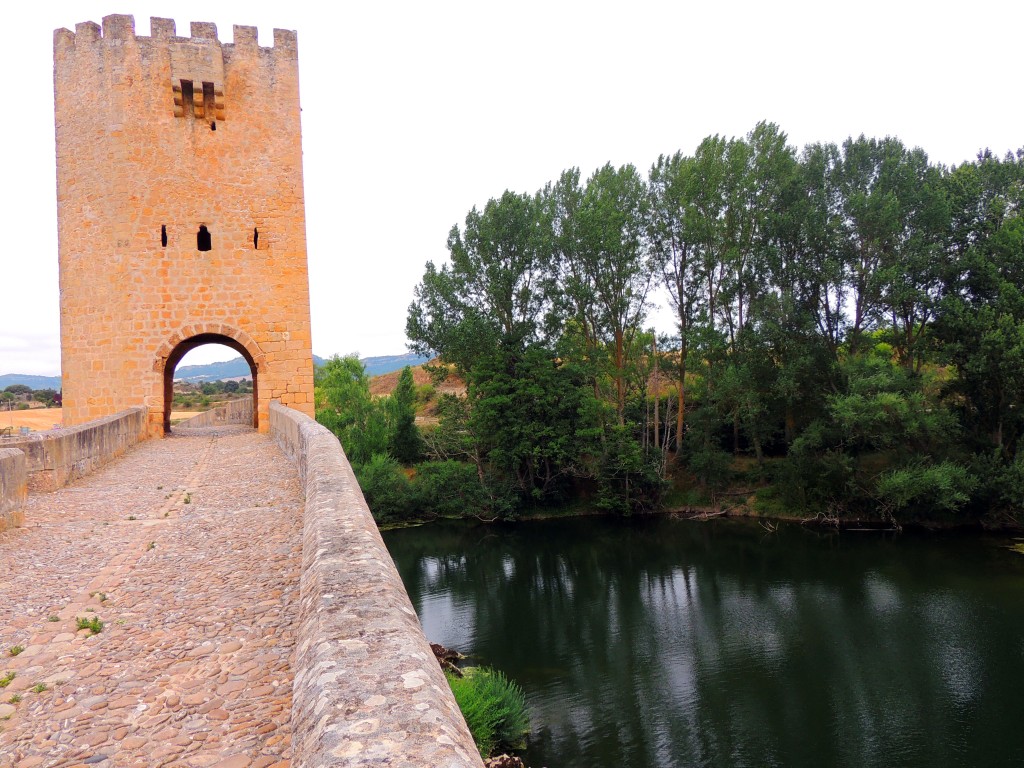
{"points": [[188, 550]]}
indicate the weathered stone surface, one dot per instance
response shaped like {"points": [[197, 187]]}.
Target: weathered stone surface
{"points": [[235, 412], [160, 139], [176, 578], [13, 488], [364, 672]]}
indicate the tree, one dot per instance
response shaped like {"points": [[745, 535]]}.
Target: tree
{"points": [[344, 405], [496, 290], [671, 218], [404, 441], [607, 268], [981, 316], [894, 215]]}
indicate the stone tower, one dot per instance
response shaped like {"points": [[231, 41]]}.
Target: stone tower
{"points": [[180, 213]]}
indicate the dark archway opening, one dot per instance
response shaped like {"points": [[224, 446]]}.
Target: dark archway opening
{"points": [[187, 346]]}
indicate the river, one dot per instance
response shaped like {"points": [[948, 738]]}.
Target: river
{"points": [[660, 642]]}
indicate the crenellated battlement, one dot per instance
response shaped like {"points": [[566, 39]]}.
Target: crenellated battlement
{"points": [[122, 27]]}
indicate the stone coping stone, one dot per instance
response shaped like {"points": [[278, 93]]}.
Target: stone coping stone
{"points": [[13, 488], [367, 690]]}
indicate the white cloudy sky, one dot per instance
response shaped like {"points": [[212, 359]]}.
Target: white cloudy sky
{"points": [[413, 112]]}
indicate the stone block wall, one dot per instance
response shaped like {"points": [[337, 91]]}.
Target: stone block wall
{"points": [[55, 458], [235, 412], [13, 488], [368, 690]]}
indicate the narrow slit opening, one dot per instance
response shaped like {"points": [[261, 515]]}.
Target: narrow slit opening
{"points": [[163, 235], [187, 98], [209, 101], [203, 239], [255, 239]]}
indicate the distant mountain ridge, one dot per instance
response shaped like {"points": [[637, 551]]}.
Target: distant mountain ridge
{"points": [[226, 369], [229, 369], [29, 380]]}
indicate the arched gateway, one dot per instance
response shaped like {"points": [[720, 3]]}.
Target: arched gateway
{"points": [[181, 216]]}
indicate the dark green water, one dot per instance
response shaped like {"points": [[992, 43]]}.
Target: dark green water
{"points": [[658, 642]]}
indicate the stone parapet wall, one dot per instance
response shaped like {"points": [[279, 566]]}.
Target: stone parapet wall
{"points": [[55, 458], [367, 690], [13, 488], [235, 412]]}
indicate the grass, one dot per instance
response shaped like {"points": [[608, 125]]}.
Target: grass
{"points": [[39, 687], [494, 708], [6, 679], [53, 618], [14, 699], [94, 624], [16, 649], [188, 498]]}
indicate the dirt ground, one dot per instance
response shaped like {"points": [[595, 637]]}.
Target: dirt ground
{"points": [[40, 419]]}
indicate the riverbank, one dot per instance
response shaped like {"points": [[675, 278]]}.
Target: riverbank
{"points": [[747, 510]]}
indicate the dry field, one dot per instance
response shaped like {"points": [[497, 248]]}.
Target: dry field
{"points": [[41, 419], [36, 419]]}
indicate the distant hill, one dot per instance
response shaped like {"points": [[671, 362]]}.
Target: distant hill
{"points": [[230, 369], [376, 366], [29, 380]]}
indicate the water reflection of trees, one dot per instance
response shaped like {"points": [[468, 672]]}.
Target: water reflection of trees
{"points": [[658, 642]]}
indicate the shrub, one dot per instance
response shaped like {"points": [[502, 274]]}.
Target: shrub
{"points": [[494, 708], [385, 487], [453, 489], [926, 489]]}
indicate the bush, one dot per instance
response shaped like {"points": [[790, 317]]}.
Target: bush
{"points": [[494, 708], [447, 488], [926, 489], [385, 487]]}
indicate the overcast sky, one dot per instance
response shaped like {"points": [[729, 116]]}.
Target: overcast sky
{"points": [[414, 112]]}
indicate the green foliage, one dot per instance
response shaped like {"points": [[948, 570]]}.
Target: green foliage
{"points": [[6, 679], [494, 708], [93, 624], [850, 316], [344, 405], [14, 650], [923, 489], [386, 488], [404, 440], [452, 488], [627, 480]]}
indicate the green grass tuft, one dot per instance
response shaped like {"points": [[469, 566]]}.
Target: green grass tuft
{"points": [[494, 708], [94, 624]]}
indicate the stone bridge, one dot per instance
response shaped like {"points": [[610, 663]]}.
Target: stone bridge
{"points": [[250, 613]]}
